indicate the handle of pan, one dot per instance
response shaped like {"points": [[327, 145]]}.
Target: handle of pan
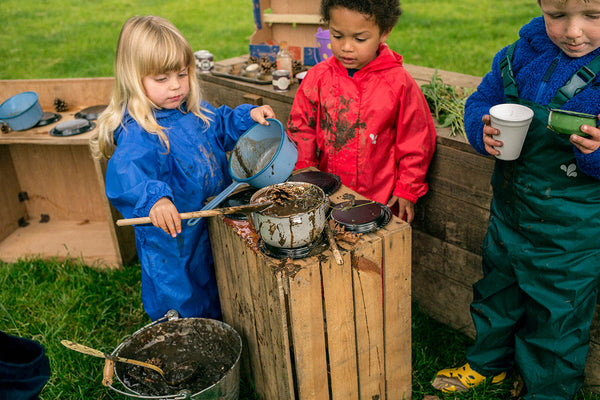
{"points": [[217, 200]]}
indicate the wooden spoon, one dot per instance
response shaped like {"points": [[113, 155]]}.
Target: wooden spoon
{"points": [[201, 213], [97, 353]]}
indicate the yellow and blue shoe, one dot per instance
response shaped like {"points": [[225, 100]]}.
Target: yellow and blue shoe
{"points": [[461, 379]]}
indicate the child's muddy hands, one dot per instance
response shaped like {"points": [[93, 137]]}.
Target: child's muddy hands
{"points": [[406, 209], [587, 145], [164, 215], [260, 114], [488, 136]]}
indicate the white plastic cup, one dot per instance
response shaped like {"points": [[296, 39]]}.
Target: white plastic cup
{"points": [[512, 120]]}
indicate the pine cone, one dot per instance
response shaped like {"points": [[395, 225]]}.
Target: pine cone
{"points": [[296, 67], [60, 105], [266, 65], [4, 128]]}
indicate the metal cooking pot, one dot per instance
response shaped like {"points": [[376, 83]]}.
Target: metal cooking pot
{"points": [[264, 155], [21, 111], [212, 345], [298, 222]]}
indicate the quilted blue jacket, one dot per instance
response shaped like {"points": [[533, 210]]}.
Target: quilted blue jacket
{"points": [[534, 53]]}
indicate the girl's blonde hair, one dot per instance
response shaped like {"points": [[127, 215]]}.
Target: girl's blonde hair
{"points": [[148, 45]]}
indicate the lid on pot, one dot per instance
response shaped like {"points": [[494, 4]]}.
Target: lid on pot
{"points": [[91, 113], [72, 127], [49, 118]]}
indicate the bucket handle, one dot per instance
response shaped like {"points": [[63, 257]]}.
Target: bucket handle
{"points": [[217, 200], [183, 395]]}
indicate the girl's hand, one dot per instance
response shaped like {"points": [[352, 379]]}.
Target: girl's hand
{"points": [[406, 209], [488, 136], [260, 114], [164, 215], [587, 145]]}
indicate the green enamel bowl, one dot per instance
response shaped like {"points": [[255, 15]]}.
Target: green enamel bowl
{"points": [[569, 122]]}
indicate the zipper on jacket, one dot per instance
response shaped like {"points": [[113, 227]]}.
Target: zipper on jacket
{"points": [[546, 78]]}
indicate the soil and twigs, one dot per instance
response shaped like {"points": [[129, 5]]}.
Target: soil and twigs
{"points": [[291, 199]]}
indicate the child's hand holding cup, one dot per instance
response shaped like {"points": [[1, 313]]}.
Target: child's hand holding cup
{"points": [[512, 120]]}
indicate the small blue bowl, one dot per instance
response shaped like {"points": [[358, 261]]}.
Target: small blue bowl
{"points": [[21, 111]]}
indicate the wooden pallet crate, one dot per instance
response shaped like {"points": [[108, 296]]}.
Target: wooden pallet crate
{"points": [[313, 329]]}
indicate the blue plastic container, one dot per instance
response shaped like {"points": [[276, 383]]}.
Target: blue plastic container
{"points": [[21, 111]]}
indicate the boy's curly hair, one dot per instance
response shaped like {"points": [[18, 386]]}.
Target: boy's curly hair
{"points": [[385, 12]]}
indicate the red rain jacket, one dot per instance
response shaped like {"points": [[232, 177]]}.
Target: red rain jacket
{"points": [[374, 131]]}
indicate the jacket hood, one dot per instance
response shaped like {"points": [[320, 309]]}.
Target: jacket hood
{"points": [[535, 34]]}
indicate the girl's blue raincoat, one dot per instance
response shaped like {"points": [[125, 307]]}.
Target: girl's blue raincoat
{"points": [[177, 273]]}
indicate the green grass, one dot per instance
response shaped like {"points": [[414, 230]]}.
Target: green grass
{"points": [[69, 39], [48, 301]]}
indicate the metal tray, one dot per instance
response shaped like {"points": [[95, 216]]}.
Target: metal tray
{"points": [[242, 78]]}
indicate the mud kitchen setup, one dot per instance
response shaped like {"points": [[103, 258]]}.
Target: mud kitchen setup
{"points": [[316, 282]]}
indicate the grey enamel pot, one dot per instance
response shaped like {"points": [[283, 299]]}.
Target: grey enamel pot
{"points": [[293, 225]]}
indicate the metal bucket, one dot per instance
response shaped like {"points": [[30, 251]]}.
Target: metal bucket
{"points": [[213, 345]]}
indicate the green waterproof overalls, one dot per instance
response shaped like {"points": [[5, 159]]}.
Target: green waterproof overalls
{"points": [[541, 258]]}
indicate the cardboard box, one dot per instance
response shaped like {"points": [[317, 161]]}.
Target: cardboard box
{"points": [[285, 20]]}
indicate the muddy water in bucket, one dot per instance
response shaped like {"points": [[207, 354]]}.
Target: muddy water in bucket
{"points": [[203, 352]]}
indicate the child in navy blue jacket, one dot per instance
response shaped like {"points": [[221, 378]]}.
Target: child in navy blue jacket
{"points": [[541, 256]]}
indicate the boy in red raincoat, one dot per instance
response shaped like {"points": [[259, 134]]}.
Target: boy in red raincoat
{"points": [[360, 115]]}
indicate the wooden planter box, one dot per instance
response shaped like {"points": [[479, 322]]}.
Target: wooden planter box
{"points": [[316, 329], [56, 177]]}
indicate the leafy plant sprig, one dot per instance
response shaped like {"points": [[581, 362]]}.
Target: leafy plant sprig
{"points": [[447, 104]]}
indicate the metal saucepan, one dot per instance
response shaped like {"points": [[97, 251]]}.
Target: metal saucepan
{"points": [[293, 223], [264, 155]]}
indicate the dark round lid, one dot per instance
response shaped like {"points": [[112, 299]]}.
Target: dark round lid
{"points": [[49, 118], [90, 113], [364, 216], [330, 183], [72, 127]]}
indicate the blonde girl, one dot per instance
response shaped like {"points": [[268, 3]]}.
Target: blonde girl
{"points": [[167, 154]]}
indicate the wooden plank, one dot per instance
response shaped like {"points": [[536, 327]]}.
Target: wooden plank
{"points": [[311, 19], [454, 262], [266, 321], [452, 172], [76, 92], [341, 337], [286, 338], [423, 75], [61, 183], [61, 239], [451, 220], [397, 308], [243, 263], [308, 333], [41, 134], [12, 209], [368, 305]]}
